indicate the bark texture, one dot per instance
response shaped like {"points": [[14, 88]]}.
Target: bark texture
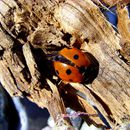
{"points": [[32, 30]]}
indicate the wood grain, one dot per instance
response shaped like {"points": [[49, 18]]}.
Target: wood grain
{"points": [[32, 30]]}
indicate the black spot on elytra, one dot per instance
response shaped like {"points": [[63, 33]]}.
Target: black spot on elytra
{"points": [[76, 56], [68, 71]]}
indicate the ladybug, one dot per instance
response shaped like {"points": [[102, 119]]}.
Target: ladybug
{"points": [[70, 64]]}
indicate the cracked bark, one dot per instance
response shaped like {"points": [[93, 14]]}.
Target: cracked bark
{"points": [[47, 22]]}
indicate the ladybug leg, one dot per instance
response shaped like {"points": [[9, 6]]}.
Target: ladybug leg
{"points": [[59, 83], [57, 80]]}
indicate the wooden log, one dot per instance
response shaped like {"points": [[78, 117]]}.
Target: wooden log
{"points": [[32, 30]]}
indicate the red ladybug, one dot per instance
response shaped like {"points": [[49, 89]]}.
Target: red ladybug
{"points": [[70, 64]]}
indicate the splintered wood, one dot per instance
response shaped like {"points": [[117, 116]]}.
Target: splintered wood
{"points": [[114, 2], [30, 31], [124, 30]]}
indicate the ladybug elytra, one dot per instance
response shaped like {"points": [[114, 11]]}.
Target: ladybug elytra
{"points": [[70, 64]]}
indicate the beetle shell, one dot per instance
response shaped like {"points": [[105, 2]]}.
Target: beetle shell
{"points": [[71, 64], [67, 72]]}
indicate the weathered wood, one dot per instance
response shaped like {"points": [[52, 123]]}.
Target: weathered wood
{"points": [[45, 25], [16, 83], [114, 2], [123, 28]]}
